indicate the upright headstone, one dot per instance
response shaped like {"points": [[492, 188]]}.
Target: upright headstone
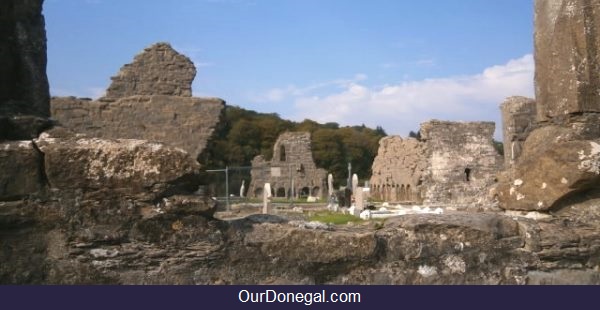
{"points": [[354, 183], [243, 189], [266, 198]]}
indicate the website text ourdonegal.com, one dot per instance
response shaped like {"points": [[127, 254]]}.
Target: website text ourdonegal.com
{"points": [[272, 296]]}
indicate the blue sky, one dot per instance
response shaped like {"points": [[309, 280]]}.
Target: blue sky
{"points": [[392, 63]]}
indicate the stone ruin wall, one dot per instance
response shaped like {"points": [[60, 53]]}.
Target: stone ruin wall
{"points": [[292, 160], [454, 164], [398, 170], [518, 120], [149, 99], [463, 163]]}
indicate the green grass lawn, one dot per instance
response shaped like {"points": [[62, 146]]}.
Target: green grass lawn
{"points": [[334, 218]]}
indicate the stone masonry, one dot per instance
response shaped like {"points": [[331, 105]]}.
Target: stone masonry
{"points": [[183, 122], [149, 99], [292, 160], [158, 70], [567, 57], [398, 170], [463, 163], [519, 119], [454, 164]]}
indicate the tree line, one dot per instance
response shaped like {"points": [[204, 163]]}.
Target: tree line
{"points": [[244, 134]]}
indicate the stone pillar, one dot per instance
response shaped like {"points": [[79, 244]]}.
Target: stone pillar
{"points": [[567, 62], [518, 120]]}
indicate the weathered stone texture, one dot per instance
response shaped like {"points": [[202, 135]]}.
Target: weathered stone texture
{"points": [[292, 160], [158, 70], [20, 170], [463, 162], [134, 166], [519, 119], [553, 166], [398, 170], [567, 48], [182, 122], [23, 81]]}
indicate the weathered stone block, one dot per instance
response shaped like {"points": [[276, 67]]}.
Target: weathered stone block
{"points": [[567, 57], [548, 174], [131, 165], [20, 169]]}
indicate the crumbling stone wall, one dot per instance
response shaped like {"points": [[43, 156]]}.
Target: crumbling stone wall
{"points": [[149, 99], [463, 163], [158, 70], [292, 162], [183, 122], [518, 120], [453, 164], [398, 170]]}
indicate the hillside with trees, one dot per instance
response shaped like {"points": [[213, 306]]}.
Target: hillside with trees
{"points": [[244, 134]]}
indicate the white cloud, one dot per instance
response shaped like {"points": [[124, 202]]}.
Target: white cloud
{"points": [[402, 107], [275, 95]]}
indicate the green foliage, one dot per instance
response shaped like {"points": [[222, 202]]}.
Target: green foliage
{"points": [[245, 134], [499, 146]]}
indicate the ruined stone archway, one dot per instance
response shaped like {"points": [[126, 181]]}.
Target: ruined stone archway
{"points": [[281, 192], [304, 192], [258, 192]]}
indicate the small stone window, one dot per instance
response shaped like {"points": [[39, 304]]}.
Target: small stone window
{"points": [[282, 153], [468, 174]]}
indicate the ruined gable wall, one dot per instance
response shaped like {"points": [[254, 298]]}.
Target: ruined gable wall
{"points": [[149, 99], [158, 70], [292, 159], [463, 162], [398, 169]]}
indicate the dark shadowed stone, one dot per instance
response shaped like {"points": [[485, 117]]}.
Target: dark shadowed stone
{"points": [[23, 81]]}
